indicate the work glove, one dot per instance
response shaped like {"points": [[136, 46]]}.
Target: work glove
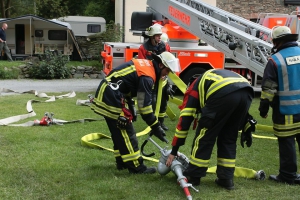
{"points": [[249, 127], [124, 119], [263, 107], [122, 122], [159, 132]]}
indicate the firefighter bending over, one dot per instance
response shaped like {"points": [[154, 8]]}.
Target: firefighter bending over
{"points": [[155, 45], [223, 98], [113, 100], [281, 91]]}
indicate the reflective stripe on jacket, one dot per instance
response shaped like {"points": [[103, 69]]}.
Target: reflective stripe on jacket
{"points": [[135, 79], [215, 82]]}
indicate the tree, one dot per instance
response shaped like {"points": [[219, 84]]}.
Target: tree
{"points": [[14, 8], [101, 8], [51, 9], [5, 8], [58, 8], [77, 7]]}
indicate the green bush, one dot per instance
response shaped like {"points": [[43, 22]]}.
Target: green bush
{"points": [[52, 66], [9, 73]]}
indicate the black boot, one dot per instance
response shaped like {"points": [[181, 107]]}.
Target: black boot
{"points": [[225, 183], [297, 179], [147, 170], [161, 121], [195, 181], [120, 164], [280, 179]]}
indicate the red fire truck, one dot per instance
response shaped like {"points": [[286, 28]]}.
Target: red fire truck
{"points": [[195, 57], [231, 39]]}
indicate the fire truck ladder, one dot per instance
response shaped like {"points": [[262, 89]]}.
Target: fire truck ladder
{"points": [[244, 41]]}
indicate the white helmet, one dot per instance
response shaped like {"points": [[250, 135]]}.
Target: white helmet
{"points": [[168, 60], [164, 37], [280, 32], [154, 30]]}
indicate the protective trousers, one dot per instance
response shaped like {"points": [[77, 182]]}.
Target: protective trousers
{"points": [[126, 150], [287, 129], [108, 103], [288, 158], [221, 119]]}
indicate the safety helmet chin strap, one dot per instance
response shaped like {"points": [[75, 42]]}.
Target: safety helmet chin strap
{"points": [[153, 42], [161, 69]]}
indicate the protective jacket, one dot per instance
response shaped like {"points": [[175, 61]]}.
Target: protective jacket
{"points": [[223, 98], [133, 79], [211, 85], [280, 90], [147, 49]]}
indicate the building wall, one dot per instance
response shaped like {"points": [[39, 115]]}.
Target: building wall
{"points": [[119, 12], [126, 11], [251, 9]]}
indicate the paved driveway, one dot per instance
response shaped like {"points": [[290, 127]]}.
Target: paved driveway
{"points": [[64, 85]]}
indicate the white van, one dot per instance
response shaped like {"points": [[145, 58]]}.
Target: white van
{"points": [[85, 25]]}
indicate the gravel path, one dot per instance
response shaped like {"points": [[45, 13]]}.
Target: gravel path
{"points": [[64, 85]]}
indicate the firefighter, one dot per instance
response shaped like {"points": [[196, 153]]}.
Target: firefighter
{"points": [[154, 45], [280, 90], [223, 98], [114, 94]]}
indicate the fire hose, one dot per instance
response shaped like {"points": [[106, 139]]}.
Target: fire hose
{"points": [[48, 118], [179, 165]]}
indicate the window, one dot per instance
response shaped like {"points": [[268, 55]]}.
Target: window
{"points": [[93, 28], [38, 33], [57, 35], [291, 2]]}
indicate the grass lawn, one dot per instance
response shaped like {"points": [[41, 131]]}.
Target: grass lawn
{"points": [[42, 162]]}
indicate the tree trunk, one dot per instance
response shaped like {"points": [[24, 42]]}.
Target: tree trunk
{"points": [[3, 8], [8, 6]]}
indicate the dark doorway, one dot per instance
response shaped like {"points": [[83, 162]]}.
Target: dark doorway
{"points": [[20, 38]]}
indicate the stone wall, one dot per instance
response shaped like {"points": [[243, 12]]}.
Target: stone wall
{"points": [[250, 9], [76, 72], [88, 47]]}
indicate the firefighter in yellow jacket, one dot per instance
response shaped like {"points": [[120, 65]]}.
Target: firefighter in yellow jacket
{"points": [[113, 100], [223, 98]]}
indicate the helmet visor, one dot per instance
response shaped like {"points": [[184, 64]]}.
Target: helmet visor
{"points": [[173, 65]]}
